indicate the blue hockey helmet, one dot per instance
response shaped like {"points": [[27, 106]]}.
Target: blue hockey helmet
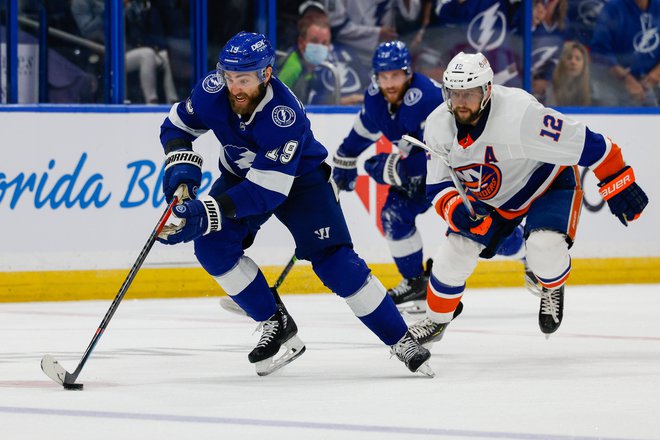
{"points": [[247, 52], [391, 55]]}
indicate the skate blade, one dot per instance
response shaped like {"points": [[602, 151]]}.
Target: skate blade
{"points": [[295, 347], [418, 307], [229, 305], [426, 370]]}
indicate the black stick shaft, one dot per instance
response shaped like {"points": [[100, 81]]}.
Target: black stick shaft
{"points": [[122, 291]]}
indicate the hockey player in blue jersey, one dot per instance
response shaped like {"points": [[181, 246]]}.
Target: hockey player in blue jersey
{"points": [[271, 165], [397, 103]]}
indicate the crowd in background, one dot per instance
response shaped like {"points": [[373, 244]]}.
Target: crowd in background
{"points": [[584, 52]]}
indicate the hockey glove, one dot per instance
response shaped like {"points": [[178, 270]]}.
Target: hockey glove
{"points": [[624, 197], [386, 169], [182, 167], [452, 209], [344, 172], [197, 218]]}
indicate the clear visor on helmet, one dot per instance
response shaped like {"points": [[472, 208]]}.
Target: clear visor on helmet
{"points": [[247, 79], [467, 97]]}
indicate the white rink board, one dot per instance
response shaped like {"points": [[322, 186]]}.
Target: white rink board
{"points": [[118, 159]]}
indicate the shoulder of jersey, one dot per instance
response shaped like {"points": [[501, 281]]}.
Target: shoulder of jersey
{"points": [[212, 83], [422, 89], [284, 109], [440, 120]]}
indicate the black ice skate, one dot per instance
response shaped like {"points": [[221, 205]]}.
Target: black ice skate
{"points": [[412, 289], [410, 352], [427, 331], [552, 310], [279, 330]]}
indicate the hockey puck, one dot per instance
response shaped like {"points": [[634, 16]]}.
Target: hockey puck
{"points": [[73, 386]]}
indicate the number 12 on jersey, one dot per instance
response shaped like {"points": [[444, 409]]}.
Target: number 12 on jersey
{"points": [[554, 125]]}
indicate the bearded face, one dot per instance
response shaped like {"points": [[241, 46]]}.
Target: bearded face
{"points": [[245, 91], [393, 85]]}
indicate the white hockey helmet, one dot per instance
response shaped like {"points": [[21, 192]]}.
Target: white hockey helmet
{"points": [[467, 71]]}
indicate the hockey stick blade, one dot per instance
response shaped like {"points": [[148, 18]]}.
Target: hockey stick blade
{"points": [[457, 183], [57, 373], [51, 367]]}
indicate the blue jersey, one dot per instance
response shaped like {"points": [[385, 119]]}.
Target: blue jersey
{"points": [[267, 151], [377, 118], [627, 36]]}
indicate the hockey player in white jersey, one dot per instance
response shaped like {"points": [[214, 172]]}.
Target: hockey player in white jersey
{"points": [[517, 160]]}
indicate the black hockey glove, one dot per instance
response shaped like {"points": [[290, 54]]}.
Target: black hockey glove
{"points": [[624, 197]]}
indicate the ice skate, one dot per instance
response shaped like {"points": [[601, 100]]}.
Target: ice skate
{"points": [[551, 310], [410, 352], [279, 330], [410, 294], [427, 331]]}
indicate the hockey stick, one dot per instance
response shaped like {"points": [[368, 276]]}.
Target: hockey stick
{"points": [[228, 304], [51, 367], [452, 173]]}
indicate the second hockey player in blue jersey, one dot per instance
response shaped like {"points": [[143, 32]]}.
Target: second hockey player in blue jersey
{"points": [[271, 165]]}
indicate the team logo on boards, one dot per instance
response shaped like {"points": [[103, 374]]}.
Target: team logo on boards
{"points": [[412, 96], [482, 180], [283, 116], [212, 83]]}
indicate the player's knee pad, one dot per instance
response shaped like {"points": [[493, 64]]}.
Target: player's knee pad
{"points": [[547, 253], [341, 270], [456, 260]]}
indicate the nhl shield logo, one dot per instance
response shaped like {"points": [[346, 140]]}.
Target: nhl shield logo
{"points": [[283, 116]]}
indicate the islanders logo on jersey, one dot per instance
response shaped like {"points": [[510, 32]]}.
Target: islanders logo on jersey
{"points": [[482, 180], [283, 116], [213, 83]]}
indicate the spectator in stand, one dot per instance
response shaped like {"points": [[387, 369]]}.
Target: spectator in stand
{"points": [[144, 31], [310, 69], [571, 84], [626, 50], [487, 26], [89, 16], [582, 16], [362, 24], [548, 28]]}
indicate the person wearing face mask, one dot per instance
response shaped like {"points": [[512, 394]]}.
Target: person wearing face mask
{"points": [[305, 71]]}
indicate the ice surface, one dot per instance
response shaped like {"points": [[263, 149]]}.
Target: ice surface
{"points": [[178, 369]]}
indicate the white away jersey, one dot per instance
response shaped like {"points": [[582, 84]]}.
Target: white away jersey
{"points": [[522, 148]]}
